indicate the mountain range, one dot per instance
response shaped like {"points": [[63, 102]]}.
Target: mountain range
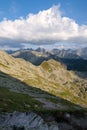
{"points": [[62, 53], [68, 57], [71, 54]]}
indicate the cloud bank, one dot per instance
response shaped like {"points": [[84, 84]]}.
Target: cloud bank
{"points": [[45, 27]]}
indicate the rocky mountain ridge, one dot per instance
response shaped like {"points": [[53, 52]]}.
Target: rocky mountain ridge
{"points": [[80, 53], [50, 76], [70, 58]]}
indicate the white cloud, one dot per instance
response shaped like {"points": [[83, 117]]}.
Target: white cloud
{"points": [[46, 27]]}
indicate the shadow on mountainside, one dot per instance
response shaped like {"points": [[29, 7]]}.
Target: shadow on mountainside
{"points": [[29, 56], [81, 74], [77, 65], [15, 95]]}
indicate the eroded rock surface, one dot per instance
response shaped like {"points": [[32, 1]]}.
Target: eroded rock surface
{"points": [[33, 121], [25, 121]]}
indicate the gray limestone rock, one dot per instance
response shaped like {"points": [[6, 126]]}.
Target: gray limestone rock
{"points": [[22, 119], [26, 121], [53, 126]]}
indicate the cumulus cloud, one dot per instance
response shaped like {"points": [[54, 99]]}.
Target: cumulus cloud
{"points": [[45, 27]]}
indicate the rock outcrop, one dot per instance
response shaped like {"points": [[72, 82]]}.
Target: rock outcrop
{"points": [[33, 121], [25, 121]]}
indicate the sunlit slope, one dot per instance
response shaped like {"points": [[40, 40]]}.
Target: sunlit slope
{"points": [[50, 76]]}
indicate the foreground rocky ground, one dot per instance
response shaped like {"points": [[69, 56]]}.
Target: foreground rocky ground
{"points": [[33, 121]]}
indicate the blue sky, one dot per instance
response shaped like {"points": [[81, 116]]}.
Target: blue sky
{"points": [[72, 13], [12, 9]]}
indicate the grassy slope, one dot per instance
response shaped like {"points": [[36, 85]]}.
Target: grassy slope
{"points": [[11, 101], [50, 76]]}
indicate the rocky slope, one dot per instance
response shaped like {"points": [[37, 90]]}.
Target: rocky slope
{"points": [[32, 56], [57, 97], [26, 121], [68, 54], [82, 52], [68, 57], [50, 77], [33, 121]]}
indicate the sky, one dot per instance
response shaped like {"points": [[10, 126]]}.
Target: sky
{"points": [[43, 23]]}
